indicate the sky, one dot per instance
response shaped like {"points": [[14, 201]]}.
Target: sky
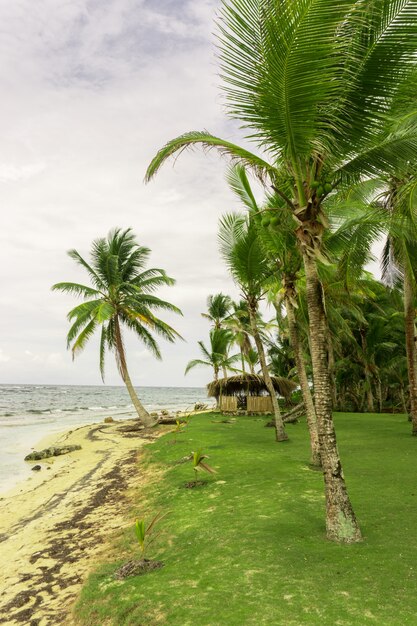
{"points": [[91, 89]]}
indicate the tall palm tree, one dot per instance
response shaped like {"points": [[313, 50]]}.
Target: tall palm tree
{"points": [[218, 308], [251, 270], [216, 356], [276, 233], [121, 295], [311, 81]]}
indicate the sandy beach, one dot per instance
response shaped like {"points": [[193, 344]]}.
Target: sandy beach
{"points": [[53, 526]]}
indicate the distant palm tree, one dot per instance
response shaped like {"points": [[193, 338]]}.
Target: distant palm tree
{"points": [[216, 356], [121, 295], [218, 308], [239, 323], [252, 271]]}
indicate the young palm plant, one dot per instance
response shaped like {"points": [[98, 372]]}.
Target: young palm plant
{"points": [[121, 296]]}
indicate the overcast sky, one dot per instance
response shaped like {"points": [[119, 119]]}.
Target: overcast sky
{"points": [[90, 90]]}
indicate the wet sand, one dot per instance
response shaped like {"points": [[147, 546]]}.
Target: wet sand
{"points": [[55, 525]]}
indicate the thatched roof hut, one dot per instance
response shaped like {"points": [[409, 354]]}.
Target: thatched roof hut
{"points": [[248, 392]]}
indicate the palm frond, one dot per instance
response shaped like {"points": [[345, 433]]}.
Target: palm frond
{"points": [[76, 289], [283, 57], [95, 278], [196, 363], [261, 168], [103, 342], [84, 337]]}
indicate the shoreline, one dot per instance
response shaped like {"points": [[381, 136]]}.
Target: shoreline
{"points": [[55, 524]]}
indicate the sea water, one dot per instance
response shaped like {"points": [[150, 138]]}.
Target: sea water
{"points": [[30, 412]]}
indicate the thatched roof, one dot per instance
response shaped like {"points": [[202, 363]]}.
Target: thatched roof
{"points": [[249, 384]]}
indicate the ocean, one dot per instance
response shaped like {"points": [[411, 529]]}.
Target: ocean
{"points": [[30, 412]]}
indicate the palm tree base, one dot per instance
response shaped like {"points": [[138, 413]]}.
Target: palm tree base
{"points": [[281, 438]]}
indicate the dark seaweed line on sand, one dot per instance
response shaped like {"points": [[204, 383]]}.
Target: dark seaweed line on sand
{"points": [[111, 488]]}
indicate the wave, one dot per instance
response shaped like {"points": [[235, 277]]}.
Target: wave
{"points": [[13, 424]]}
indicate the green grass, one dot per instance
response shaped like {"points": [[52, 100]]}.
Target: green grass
{"points": [[249, 547]]}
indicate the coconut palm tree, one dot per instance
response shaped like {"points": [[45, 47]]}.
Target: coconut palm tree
{"points": [[218, 308], [216, 356], [276, 234], [252, 272], [239, 324], [311, 82], [121, 295]]}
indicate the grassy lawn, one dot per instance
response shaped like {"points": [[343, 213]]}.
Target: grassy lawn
{"points": [[249, 547]]}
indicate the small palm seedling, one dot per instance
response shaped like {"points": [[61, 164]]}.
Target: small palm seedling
{"points": [[179, 428], [146, 535], [199, 465]]}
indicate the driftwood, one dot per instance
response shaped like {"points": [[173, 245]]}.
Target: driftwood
{"points": [[297, 411], [171, 419], [49, 452], [291, 417]]}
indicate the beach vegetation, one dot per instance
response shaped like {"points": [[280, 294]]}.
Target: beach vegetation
{"points": [[261, 522], [121, 295], [310, 84]]}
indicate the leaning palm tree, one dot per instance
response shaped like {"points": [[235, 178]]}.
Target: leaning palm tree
{"points": [[252, 272], [311, 81], [216, 356], [121, 295]]}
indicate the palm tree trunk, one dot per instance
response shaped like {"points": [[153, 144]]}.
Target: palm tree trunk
{"points": [[305, 387], [242, 358], [341, 522], [403, 402], [410, 344], [331, 370], [368, 375], [379, 394], [280, 433], [121, 361]]}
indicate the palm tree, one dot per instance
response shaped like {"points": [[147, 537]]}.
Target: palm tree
{"points": [[240, 248], [239, 323], [121, 295], [217, 355], [278, 240], [310, 83], [218, 308]]}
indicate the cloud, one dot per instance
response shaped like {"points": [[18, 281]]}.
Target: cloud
{"points": [[90, 90], [4, 358]]}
